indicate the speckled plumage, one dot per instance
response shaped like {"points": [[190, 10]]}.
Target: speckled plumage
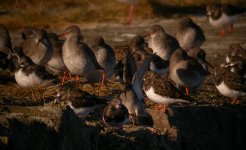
{"points": [[235, 52], [230, 84], [162, 87], [78, 57], [81, 102], [115, 113], [104, 54]]}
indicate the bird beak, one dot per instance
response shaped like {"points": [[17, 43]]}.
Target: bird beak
{"points": [[39, 41], [147, 34], [62, 34]]}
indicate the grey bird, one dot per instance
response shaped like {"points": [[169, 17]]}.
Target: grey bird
{"points": [[189, 34], [162, 43], [37, 46], [79, 58], [81, 102], [135, 106], [104, 54], [28, 74], [186, 71], [56, 64]]}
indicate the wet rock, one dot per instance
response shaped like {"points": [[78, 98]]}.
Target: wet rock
{"points": [[181, 127], [42, 128]]}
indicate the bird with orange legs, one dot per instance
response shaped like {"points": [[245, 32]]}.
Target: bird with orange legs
{"points": [[79, 58], [223, 16]]}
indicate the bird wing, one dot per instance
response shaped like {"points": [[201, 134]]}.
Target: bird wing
{"points": [[137, 80], [90, 54]]}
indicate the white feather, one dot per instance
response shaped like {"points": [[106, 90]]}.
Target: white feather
{"points": [[224, 20], [162, 99], [27, 81], [226, 91]]}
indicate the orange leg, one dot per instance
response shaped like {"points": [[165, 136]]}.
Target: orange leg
{"points": [[222, 32], [164, 108], [131, 13], [235, 101], [103, 78], [77, 79], [64, 78], [187, 91], [70, 77]]}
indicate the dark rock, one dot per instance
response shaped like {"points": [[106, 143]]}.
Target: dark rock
{"points": [[181, 127]]}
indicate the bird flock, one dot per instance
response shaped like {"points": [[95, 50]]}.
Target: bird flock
{"points": [[167, 69]]}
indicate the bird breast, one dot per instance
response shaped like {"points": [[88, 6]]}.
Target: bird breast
{"points": [[226, 91], [224, 20], [27, 80]]}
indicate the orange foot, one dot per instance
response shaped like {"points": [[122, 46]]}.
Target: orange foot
{"points": [[159, 107], [103, 79], [235, 101], [187, 91], [222, 33], [77, 79], [131, 13]]}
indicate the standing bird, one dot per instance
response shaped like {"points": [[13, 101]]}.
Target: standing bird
{"points": [[79, 58], [189, 34], [81, 102], [56, 64], [104, 54], [186, 71], [132, 8], [230, 84], [28, 74], [223, 16], [162, 43], [37, 46]]}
